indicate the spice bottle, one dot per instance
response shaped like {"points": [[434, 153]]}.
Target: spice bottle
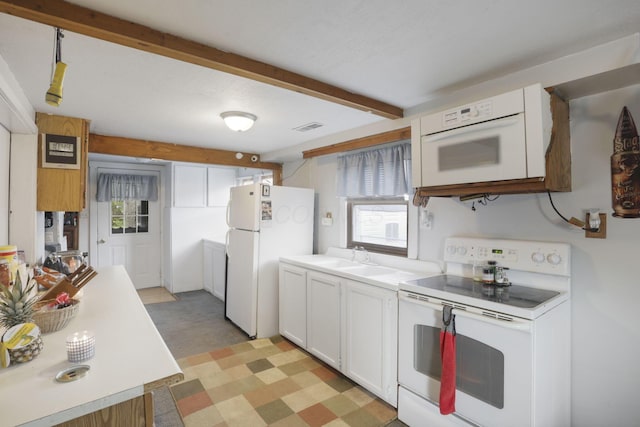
{"points": [[487, 275]]}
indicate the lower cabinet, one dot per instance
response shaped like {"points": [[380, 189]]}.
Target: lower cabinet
{"points": [[215, 266], [370, 336], [323, 317], [350, 325], [293, 304]]}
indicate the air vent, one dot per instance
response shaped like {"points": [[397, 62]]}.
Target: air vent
{"points": [[497, 316], [308, 127], [453, 305]]}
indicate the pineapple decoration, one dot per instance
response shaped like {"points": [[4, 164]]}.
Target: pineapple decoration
{"points": [[22, 341]]}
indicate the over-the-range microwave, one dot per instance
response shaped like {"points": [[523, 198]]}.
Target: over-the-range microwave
{"points": [[500, 138]]}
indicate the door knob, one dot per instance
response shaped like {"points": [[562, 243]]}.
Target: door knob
{"points": [[101, 241]]}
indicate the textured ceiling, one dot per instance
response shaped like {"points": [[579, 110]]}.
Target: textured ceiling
{"points": [[403, 53]]}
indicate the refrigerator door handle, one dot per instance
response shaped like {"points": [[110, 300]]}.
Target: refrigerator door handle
{"points": [[226, 242], [227, 215]]}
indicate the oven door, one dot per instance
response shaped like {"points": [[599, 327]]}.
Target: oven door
{"points": [[491, 151], [493, 361]]}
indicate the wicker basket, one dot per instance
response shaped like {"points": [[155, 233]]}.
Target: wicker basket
{"points": [[54, 320]]}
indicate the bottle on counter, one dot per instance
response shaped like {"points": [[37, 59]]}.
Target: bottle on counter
{"points": [[478, 267]]}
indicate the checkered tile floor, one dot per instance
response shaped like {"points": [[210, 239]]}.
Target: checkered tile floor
{"points": [[271, 382]]}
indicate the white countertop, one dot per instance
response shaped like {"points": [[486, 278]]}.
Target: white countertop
{"points": [[384, 271], [130, 354]]}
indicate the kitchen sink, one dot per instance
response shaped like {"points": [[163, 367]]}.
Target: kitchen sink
{"points": [[338, 263], [368, 270]]}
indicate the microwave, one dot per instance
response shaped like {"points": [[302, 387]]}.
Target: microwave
{"points": [[504, 137]]}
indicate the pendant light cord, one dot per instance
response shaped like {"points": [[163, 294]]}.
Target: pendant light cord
{"points": [[57, 50]]}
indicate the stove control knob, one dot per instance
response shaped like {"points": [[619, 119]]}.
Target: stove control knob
{"points": [[537, 257], [554, 259], [461, 250], [451, 250]]}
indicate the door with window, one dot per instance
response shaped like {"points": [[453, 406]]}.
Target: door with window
{"points": [[128, 233]]}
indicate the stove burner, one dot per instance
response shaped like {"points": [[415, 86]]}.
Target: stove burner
{"points": [[513, 295]]}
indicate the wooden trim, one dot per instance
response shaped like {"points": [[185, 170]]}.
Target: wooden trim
{"points": [[128, 413], [170, 380], [130, 147], [367, 141], [148, 410], [558, 156], [88, 22]]}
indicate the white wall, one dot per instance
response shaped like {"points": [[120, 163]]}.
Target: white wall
{"points": [[26, 225], [606, 291], [191, 225], [4, 185]]}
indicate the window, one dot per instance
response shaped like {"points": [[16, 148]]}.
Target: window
{"points": [[376, 183], [263, 178], [129, 216], [378, 225]]}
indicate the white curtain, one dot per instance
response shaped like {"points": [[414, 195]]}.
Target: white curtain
{"points": [[384, 171], [127, 187]]}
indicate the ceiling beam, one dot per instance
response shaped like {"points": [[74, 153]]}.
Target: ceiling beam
{"points": [[130, 147], [364, 142], [88, 22]]}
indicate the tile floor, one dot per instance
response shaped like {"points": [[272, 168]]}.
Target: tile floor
{"points": [[271, 382], [195, 324]]}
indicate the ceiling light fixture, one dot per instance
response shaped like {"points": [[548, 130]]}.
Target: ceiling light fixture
{"points": [[238, 121], [54, 94]]}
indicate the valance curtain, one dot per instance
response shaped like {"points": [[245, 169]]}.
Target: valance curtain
{"points": [[127, 187], [384, 171]]}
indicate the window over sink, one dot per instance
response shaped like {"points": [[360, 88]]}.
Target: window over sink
{"points": [[378, 225], [375, 184]]}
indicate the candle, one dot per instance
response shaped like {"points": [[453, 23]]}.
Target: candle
{"points": [[81, 346]]}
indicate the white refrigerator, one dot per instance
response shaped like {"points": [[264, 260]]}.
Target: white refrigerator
{"points": [[265, 222]]}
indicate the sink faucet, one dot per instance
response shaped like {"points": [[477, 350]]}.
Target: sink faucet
{"points": [[359, 250]]}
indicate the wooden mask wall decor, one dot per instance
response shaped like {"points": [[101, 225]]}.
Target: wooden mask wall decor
{"points": [[625, 170]]}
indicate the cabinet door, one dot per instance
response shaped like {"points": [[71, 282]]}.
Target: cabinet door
{"points": [[323, 317], [293, 304], [189, 186], [219, 270], [370, 338], [219, 181], [207, 262]]}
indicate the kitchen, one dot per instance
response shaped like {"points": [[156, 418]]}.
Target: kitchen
{"points": [[603, 294]]}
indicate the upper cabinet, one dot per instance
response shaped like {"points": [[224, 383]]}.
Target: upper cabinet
{"points": [[189, 186], [62, 163], [219, 181], [197, 186]]}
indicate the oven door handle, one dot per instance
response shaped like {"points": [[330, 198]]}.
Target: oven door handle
{"points": [[506, 322]]}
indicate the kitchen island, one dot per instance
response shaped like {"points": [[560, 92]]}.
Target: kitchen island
{"points": [[131, 360]]}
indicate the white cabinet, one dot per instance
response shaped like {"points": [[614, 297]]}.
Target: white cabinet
{"points": [[293, 304], [370, 335], [350, 325], [323, 317], [189, 186], [215, 267], [219, 181]]}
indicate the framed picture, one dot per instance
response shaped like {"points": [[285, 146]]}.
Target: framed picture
{"points": [[60, 151], [266, 191]]}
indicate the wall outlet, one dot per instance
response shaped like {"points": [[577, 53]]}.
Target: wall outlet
{"points": [[602, 230], [426, 219]]}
